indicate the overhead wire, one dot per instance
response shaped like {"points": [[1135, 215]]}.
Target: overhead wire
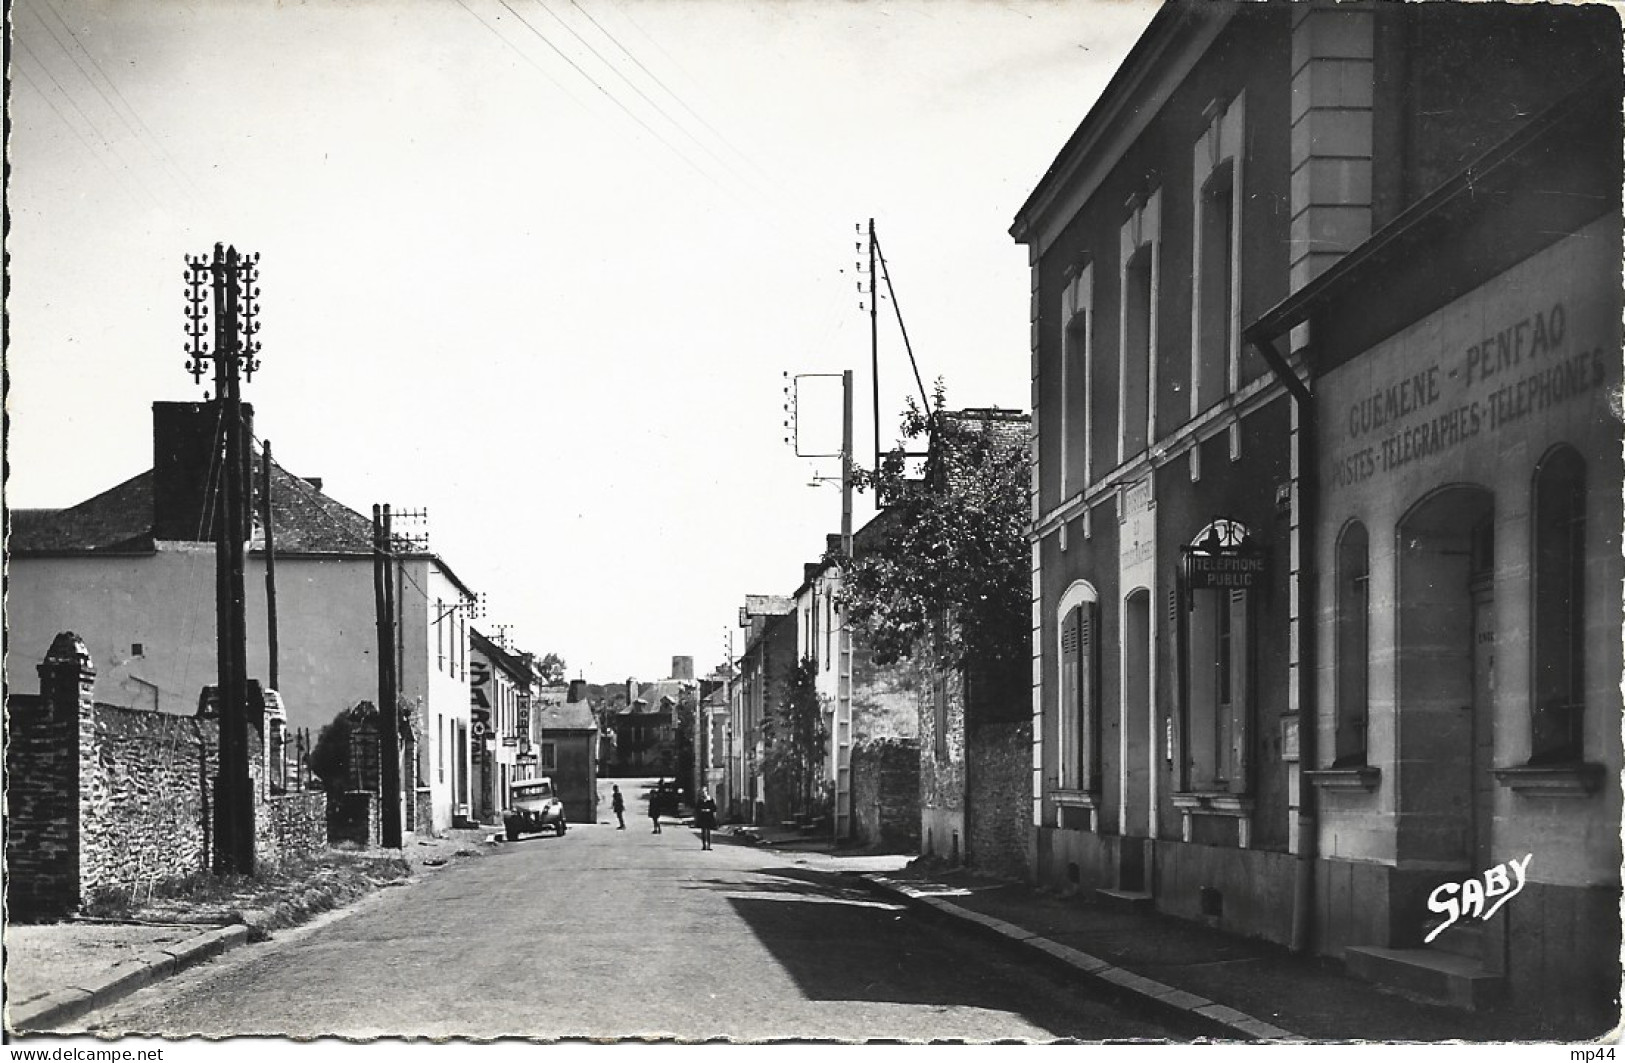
{"points": [[669, 91], [204, 526], [614, 99], [641, 94], [174, 168], [129, 184], [322, 501], [521, 53], [886, 273]]}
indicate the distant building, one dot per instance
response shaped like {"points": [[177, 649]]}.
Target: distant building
{"points": [[764, 672], [565, 748]]}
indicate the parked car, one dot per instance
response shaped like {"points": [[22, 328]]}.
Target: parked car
{"points": [[536, 807]]}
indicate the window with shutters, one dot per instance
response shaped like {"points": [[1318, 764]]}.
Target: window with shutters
{"points": [[1558, 610], [1077, 391], [1137, 335], [1078, 719], [1215, 278], [1217, 653], [1353, 646]]}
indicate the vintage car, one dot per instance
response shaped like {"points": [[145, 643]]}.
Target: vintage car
{"points": [[536, 807]]}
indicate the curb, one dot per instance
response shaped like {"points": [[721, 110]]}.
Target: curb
{"points": [[1225, 1022], [121, 980]]}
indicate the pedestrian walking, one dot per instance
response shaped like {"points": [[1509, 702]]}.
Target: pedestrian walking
{"points": [[705, 817], [617, 804], [656, 801]]}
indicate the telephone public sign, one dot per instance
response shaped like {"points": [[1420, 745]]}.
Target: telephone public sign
{"points": [[1225, 570]]}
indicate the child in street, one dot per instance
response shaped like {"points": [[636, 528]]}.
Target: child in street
{"points": [[617, 804]]}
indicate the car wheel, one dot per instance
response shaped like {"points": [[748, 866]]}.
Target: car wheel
{"points": [[513, 835], [562, 826]]}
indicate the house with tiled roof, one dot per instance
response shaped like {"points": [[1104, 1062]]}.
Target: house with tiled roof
{"points": [[132, 572], [564, 747]]}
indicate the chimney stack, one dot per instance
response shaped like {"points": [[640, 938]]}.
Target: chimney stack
{"points": [[186, 453], [683, 668], [578, 691]]}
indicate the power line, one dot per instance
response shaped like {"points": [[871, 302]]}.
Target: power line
{"points": [[519, 52], [175, 169], [613, 98], [669, 91], [145, 191], [633, 86]]}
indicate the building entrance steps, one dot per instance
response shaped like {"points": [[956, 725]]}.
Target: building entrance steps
{"points": [[1433, 974], [1218, 983]]}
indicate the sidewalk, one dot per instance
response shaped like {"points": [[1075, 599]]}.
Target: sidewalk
{"points": [[1231, 988], [58, 972]]}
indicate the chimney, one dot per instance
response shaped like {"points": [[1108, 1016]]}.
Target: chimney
{"points": [[578, 691], [683, 668], [185, 452]]}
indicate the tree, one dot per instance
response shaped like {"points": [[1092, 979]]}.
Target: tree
{"points": [[950, 569], [329, 758], [551, 669], [794, 736]]}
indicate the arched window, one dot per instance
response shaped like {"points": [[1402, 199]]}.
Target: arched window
{"points": [[1353, 604], [1218, 688], [1078, 723], [1558, 538]]}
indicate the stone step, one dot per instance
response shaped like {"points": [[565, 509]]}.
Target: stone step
{"points": [[1461, 940], [1124, 898], [1428, 974]]}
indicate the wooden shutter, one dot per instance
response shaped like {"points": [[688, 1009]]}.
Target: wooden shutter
{"points": [[1067, 719], [1241, 691], [1089, 696]]}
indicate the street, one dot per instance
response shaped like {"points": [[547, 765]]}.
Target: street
{"points": [[605, 933]]}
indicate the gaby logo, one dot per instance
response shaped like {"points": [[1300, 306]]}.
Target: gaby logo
{"points": [[1468, 900]]}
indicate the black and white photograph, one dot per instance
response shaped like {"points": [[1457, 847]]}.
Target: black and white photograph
{"points": [[615, 525]]}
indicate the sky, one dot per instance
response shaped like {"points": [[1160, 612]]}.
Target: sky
{"points": [[539, 267]]}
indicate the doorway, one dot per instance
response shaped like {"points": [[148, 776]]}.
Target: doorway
{"points": [[1445, 699]]}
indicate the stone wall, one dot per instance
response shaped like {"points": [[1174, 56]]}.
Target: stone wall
{"points": [[942, 760], [291, 826], [353, 818], [146, 797], [103, 798], [42, 822], [886, 792], [999, 801]]}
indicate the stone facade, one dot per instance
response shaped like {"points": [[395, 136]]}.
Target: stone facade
{"points": [[998, 805], [103, 798], [886, 791]]}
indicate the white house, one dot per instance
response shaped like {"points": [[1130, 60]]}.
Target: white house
{"points": [[132, 572]]}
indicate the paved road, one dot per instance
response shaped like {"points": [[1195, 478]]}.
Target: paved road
{"points": [[607, 933]]}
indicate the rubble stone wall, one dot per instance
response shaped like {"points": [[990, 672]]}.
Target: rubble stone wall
{"points": [[146, 797], [886, 792], [999, 801], [109, 799]]}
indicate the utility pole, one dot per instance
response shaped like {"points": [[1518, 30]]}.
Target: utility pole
{"points": [[389, 715], [231, 279], [270, 572], [843, 663], [874, 342]]}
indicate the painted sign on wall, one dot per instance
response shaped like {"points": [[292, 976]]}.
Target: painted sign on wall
{"points": [[1535, 343]]}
